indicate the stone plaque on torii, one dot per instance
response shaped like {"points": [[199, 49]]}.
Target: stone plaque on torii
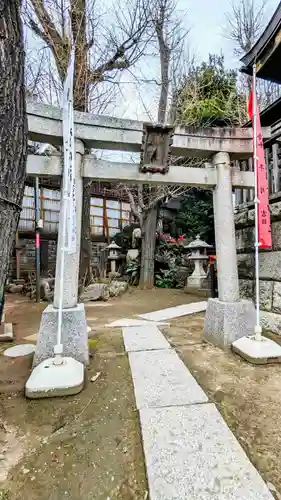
{"points": [[228, 317]]}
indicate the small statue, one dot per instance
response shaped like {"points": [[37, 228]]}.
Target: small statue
{"points": [[136, 236]]}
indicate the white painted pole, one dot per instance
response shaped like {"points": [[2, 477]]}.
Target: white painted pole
{"points": [[58, 349], [258, 330], [69, 209]]}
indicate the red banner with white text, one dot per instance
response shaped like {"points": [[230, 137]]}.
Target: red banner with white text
{"points": [[264, 229]]}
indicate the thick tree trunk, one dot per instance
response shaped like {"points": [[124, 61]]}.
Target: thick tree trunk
{"points": [[148, 249], [13, 130], [81, 101]]}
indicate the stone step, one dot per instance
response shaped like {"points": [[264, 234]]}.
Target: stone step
{"points": [[144, 338], [191, 454], [161, 379], [175, 312]]}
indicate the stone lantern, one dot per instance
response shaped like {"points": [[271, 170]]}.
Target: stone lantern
{"points": [[198, 249], [113, 254]]}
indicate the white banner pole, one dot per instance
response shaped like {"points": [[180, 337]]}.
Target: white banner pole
{"points": [[258, 330], [69, 201]]}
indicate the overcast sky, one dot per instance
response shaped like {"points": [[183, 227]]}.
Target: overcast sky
{"points": [[206, 20]]}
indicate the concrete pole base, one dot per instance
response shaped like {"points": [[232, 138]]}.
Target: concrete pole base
{"points": [[6, 332], [226, 322], [74, 334], [258, 352], [49, 380]]}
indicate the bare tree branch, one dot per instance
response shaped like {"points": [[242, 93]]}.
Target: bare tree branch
{"points": [[245, 23], [49, 33], [98, 53]]}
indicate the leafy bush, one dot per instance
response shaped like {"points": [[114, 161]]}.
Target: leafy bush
{"points": [[169, 278], [196, 215], [133, 272]]}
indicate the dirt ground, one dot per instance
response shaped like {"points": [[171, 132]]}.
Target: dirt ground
{"points": [[88, 446], [248, 397]]}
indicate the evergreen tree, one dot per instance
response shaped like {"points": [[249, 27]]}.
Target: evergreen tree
{"points": [[206, 97]]}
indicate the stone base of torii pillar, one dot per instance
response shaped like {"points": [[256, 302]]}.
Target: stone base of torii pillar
{"points": [[226, 322], [74, 325], [74, 334], [227, 318]]}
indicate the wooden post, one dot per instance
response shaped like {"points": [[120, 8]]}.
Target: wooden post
{"points": [[245, 193], [41, 204], [276, 171], [266, 157], [105, 222], [251, 169], [37, 237], [17, 256], [238, 192]]}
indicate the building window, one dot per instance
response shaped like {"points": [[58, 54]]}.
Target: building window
{"points": [[107, 216]]}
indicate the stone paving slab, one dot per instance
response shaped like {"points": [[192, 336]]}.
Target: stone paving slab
{"points": [[32, 338], [191, 454], [175, 312], [144, 338], [161, 379], [132, 322]]}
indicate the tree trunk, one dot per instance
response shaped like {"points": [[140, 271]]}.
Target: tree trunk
{"points": [[148, 249], [85, 269], [13, 130], [150, 221], [81, 101], [163, 100], [164, 55]]}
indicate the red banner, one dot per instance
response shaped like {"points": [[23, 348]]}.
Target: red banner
{"points": [[264, 229]]}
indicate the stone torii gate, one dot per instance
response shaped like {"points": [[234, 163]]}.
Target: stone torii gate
{"points": [[228, 317]]}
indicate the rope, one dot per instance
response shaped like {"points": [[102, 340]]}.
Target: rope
{"points": [[10, 202]]}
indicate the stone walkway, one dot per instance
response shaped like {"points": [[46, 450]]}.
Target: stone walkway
{"points": [[190, 452], [175, 312]]}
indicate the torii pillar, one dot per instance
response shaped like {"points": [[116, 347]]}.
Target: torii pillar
{"points": [[227, 318], [74, 325]]}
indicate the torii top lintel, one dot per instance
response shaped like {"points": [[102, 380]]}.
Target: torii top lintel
{"points": [[103, 132]]}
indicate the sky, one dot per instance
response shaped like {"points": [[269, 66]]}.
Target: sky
{"points": [[206, 20]]}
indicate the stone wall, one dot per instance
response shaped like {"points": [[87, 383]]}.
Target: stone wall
{"points": [[270, 263]]}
